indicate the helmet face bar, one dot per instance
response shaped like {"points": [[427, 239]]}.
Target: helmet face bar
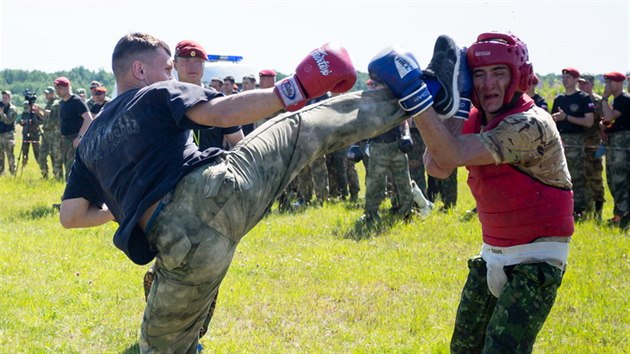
{"points": [[493, 48]]}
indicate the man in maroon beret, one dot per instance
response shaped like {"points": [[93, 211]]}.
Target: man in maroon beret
{"points": [[189, 59], [74, 119], [617, 125], [573, 113], [267, 78]]}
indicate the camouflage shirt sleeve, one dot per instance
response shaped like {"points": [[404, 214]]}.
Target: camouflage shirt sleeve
{"points": [[530, 141], [10, 116]]}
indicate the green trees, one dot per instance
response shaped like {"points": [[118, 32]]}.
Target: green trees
{"points": [[17, 81]]}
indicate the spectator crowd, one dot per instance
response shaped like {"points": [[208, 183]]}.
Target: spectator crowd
{"points": [[592, 125]]}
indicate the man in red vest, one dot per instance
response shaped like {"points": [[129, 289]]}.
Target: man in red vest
{"points": [[518, 176]]}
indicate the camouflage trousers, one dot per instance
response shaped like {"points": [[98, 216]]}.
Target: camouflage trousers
{"points": [[198, 228], [51, 146], [385, 158], [313, 179], [445, 188], [67, 154], [7, 147], [26, 147], [416, 165], [574, 153], [509, 324], [618, 170], [319, 174], [594, 173]]}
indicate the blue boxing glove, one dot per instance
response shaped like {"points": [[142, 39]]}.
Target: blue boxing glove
{"points": [[400, 71], [464, 84]]}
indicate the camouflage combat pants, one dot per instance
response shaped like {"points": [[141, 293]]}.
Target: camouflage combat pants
{"points": [[386, 157], [319, 172], [337, 173], [416, 165], [594, 173], [67, 154], [51, 146], [618, 170], [446, 188], [509, 324], [213, 207], [353, 180], [574, 153], [7, 147], [26, 144]]}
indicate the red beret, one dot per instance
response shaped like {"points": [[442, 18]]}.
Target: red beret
{"points": [[101, 89], [615, 76], [190, 49], [267, 72], [62, 81], [571, 71]]}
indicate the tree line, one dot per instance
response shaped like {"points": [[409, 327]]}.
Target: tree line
{"points": [[17, 81]]}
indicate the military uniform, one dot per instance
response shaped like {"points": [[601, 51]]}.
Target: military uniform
{"points": [[576, 105], [445, 188], [8, 115], [594, 165], [51, 141], [30, 123], [618, 156], [385, 158], [319, 174], [416, 165]]}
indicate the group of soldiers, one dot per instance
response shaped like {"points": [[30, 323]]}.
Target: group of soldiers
{"points": [[41, 130]]}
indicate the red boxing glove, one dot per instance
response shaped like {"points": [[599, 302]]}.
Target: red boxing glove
{"points": [[327, 68]]}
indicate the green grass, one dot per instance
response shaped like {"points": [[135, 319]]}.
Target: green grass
{"points": [[300, 283]]}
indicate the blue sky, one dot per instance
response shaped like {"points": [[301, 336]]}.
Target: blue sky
{"points": [[592, 36]]}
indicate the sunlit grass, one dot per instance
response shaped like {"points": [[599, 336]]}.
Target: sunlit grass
{"points": [[309, 282]]}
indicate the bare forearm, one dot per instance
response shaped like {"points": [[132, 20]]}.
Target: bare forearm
{"points": [[441, 144], [74, 215], [244, 108]]}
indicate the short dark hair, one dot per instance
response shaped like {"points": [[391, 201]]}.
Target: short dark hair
{"points": [[133, 46]]}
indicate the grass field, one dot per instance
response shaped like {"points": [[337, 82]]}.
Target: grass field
{"points": [[299, 283]]}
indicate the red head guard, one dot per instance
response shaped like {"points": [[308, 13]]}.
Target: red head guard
{"points": [[494, 48]]}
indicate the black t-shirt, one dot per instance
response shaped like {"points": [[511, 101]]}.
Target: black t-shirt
{"points": [[576, 105], [621, 103], [70, 115], [136, 152], [540, 102], [213, 137], [96, 107]]}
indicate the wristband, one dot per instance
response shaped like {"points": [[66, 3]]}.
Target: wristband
{"points": [[290, 91]]}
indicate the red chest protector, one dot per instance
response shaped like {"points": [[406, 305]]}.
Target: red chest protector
{"points": [[513, 207]]}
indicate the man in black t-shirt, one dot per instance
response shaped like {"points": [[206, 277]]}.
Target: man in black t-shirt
{"points": [[573, 113], [616, 121], [74, 118], [187, 208]]}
